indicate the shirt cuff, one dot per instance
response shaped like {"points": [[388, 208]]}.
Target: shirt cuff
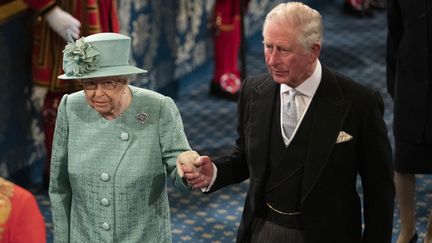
{"points": [[207, 189]]}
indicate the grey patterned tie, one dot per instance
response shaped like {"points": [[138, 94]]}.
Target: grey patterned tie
{"points": [[290, 114]]}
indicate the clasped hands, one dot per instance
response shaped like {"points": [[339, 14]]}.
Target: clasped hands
{"points": [[195, 169]]}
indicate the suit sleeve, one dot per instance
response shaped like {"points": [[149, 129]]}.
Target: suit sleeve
{"points": [[233, 168], [376, 171], [173, 140], [59, 188], [28, 223]]}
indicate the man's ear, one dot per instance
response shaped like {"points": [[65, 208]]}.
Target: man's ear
{"points": [[315, 52]]}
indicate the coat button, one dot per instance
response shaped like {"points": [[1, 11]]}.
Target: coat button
{"points": [[105, 226], [124, 136], [104, 202], [104, 176]]}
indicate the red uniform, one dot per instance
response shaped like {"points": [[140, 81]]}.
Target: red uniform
{"points": [[227, 39], [20, 218], [95, 16]]}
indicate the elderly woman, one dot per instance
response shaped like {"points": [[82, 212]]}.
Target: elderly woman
{"points": [[114, 145]]}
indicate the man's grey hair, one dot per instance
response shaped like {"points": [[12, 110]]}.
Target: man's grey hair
{"points": [[304, 18]]}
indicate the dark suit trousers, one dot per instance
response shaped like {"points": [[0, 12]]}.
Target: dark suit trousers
{"points": [[266, 231]]}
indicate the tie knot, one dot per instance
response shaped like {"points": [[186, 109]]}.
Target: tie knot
{"points": [[292, 94]]}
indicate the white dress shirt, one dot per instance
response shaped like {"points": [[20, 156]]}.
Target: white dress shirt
{"points": [[306, 91]]}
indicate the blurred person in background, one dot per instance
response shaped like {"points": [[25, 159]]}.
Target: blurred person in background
{"points": [[409, 83], [227, 43], [362, 8], [57, 18], [20, 218]]}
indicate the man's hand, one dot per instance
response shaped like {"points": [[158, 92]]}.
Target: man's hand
{"points": [[62, 22], [201, 177]]}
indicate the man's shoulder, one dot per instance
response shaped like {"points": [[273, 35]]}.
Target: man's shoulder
{"points": [[258, 80], [345, 83]]}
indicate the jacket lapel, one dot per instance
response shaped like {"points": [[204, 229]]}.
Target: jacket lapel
{"points": [[331, 110], [261, 111]]}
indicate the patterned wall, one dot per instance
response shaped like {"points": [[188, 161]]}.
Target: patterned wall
{"points": [[169, 37], [172, 38]]}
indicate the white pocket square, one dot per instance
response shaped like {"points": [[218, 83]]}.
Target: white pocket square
{"points": [[343, 137]]}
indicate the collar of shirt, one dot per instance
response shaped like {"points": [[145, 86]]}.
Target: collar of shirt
{"points": [[310, 85], [306, 91]]}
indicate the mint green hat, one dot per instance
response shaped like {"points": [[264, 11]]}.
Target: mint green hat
{"points": [[98, 55]]}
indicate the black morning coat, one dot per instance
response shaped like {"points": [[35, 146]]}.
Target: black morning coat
{"points": [[330, 203]]}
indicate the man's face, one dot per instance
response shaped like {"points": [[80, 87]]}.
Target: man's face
{"points": [[286, 59]]}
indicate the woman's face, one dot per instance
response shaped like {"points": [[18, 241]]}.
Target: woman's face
{"points": [[105, 94]]}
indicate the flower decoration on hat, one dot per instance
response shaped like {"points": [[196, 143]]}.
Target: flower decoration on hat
{"points": [[80, 58]]}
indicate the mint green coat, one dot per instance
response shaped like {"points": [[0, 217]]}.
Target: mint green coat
{"points": [[108, 178]]}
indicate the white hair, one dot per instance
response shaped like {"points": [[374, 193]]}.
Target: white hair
{"points": [[304, 18]]}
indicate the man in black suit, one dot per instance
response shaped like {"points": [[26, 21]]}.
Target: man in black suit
{"points": [[303, 176]]}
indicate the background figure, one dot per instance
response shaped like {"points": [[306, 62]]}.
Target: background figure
{"points": [[20, 218], [409, 82], [305, 133], [79, 17], [22, 150], [227, 36], [362, 8], [114, 147]]}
